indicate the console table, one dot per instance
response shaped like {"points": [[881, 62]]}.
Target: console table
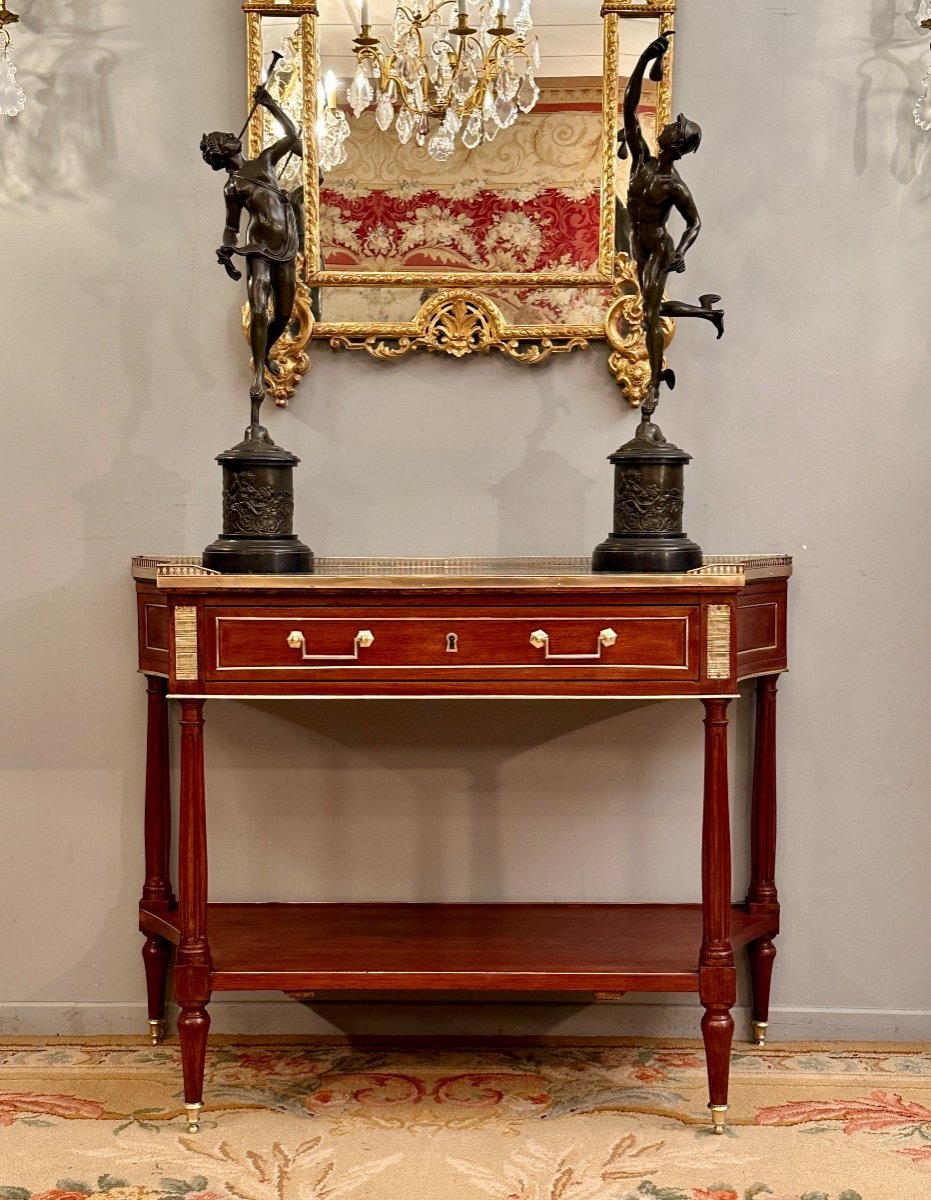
{"points": [[383, 629]]}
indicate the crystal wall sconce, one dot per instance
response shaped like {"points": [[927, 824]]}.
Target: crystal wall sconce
{"points": [[922, 109], [12, 96]]}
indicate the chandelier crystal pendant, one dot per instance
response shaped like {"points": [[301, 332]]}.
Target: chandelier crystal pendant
{"points": [[454, 69], [332, 126]]}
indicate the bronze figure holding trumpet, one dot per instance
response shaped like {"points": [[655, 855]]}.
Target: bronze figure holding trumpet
{"points": [[273, 238], [258, 488]]}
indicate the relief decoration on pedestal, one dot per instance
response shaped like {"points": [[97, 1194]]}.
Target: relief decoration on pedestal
{"points": [[641, 507], [251, 508]]}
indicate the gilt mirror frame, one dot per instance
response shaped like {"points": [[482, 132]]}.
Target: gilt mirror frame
{"points": [[458, 319]]}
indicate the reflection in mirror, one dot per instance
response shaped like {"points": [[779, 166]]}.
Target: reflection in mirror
{"points": [[282, 36], [527, 218], [527, 200], [572, 307]]}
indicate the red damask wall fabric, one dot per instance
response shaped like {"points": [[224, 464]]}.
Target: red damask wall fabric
{"points": [[527, 202], [489, 231]]}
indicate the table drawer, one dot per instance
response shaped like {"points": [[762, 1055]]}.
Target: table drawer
{"points": [[654, 642]]}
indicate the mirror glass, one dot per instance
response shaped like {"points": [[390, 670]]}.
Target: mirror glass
{"points": [[567, 306], [525, 201]]}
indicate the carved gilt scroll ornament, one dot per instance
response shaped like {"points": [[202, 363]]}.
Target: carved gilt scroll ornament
{"points": [[629, 360], [459, 322]]}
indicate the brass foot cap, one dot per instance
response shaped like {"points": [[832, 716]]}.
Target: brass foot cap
{"points": [[759, 1032], [718, 1116], [157, 1032], [193, 1117]]}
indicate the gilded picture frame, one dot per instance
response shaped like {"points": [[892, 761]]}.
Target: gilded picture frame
{"points": [[457, 319]]}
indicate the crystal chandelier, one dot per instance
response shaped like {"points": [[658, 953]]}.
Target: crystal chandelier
{"points": [[12, 96], [470, 73]]}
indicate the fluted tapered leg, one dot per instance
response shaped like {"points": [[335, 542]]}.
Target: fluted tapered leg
{"points": [[717, 976], [157, 894], [193, 1027], [192, 965], [763, 896], [156, 955]]}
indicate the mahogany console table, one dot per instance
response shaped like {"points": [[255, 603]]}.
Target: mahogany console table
{"points": [[459, 628]]}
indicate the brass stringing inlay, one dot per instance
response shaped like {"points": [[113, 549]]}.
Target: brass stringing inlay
{"points": [[186, 642], [719, 641]]}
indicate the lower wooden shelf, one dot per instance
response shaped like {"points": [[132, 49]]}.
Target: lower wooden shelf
{"points": [[448, 947]]}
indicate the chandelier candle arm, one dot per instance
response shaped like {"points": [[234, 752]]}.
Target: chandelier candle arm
{"points": [[329, 90]]}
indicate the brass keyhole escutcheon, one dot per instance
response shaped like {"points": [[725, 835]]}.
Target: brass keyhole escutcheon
{"points": [[452, 643]]}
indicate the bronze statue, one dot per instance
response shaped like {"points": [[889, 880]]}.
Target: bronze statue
{"points": [[258, 485], [273, 238], [649, 493], [655, 189]]}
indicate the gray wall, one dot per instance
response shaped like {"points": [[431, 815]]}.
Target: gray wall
{"points": [[124, 372]]}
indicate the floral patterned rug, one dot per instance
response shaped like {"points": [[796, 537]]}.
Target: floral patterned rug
{"points": [[287, 1120]]}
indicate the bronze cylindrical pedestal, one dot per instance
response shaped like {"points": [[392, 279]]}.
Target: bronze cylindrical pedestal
{"points": [[258, 512], [648, 502]]}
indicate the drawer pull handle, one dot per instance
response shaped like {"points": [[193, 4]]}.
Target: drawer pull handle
{"points": [[541, 639], [362, 640]]}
